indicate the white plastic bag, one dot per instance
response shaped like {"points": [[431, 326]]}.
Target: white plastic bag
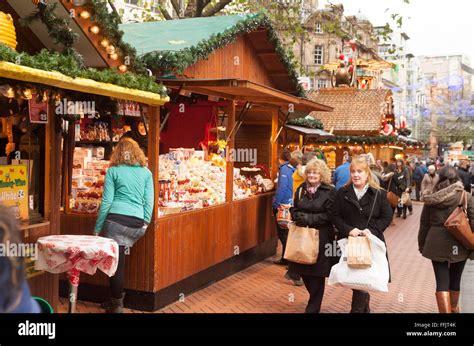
{"points": [[374, 278]]}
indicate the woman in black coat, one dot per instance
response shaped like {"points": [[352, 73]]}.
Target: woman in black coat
{"points": [[312, 203], [360, 208]]}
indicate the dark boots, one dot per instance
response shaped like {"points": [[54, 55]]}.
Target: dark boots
{"points": [[115, 306], [360, 302]]}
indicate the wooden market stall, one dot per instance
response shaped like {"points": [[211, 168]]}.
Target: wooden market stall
{"points": [[362, 122], [39, 109], [238, 89]]}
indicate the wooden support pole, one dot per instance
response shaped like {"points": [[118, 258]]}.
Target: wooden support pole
{"points": [[53, 170], [154, 152], [229, 190], [301, 142], [274, 145]]}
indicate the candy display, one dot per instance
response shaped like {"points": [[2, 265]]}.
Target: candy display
{"points": [[87, 180], [188, 182], [97, 131], [248, 182]]}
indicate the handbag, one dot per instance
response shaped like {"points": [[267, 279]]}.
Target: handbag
{"points": [[392, 198], [359, 250], [302, 245], [458, 224], [283, 215]]}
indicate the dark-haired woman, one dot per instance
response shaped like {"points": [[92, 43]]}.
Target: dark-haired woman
{"points": [[437, 244]]}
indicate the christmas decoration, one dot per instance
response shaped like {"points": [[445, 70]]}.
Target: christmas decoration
{"points": [[7, 30], [306, 122]]}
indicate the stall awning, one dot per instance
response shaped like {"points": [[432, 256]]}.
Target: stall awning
{"points": [[244, 90], [309, 132], [59, 80]]}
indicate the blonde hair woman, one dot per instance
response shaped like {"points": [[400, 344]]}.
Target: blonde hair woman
{"points": [[312, 205], [126, 207], [361, 208]]}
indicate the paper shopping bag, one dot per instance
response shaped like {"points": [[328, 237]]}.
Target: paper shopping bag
{"points": [[359, 252], [302, 245]]}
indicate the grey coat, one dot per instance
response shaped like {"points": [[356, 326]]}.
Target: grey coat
{"points": [[428, 183], [434, 240]]}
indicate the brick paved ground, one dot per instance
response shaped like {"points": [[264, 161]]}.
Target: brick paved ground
{"points": [[262, 287]]}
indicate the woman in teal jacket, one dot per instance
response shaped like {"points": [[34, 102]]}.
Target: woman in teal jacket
{"points": [[126, 207]]}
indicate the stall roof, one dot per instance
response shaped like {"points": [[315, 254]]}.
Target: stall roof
{"points": [[244, 90], [309, 132], [355, 112], [59, 80]]}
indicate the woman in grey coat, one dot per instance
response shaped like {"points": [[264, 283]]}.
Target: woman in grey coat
{"points": [[437, 244]]}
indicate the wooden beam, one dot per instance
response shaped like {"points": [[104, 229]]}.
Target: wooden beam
{"points": [[154, 152], [229, 190], [53, 170], [257, 122], [274, 145]]}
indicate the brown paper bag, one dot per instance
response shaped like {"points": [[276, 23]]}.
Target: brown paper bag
{"points": [[302, 245], [359, 252]]}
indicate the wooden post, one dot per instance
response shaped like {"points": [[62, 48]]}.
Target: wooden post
{"points": [[52, 170], [274, 144], [229, 189], [301, 142], [154, 153]]}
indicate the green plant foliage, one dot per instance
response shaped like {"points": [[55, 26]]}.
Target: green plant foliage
{"points": [[67, 65], [363, 140], [180, 60], [306, 122], [58, 28]]}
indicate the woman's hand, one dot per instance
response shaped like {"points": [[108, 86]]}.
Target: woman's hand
{"points": [[355, 232], [366, 232], [300, 219]]}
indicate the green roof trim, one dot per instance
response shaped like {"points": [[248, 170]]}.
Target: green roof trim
{"points": [[174, 45]]}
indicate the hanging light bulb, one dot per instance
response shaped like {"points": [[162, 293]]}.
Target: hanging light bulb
{"points": [[104, 43], [110, 49], [26, 94], [94, 29], [113, 56], [123, 68], [7, 91], [85, 14]]}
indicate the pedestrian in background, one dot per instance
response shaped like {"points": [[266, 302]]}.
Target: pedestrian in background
{"points": [[312, 205], [342, 172], [354, 204], [126, 208], [436, 243], [418, 178], [464, 176], [429, 181], [299, 175], [15, 294]]}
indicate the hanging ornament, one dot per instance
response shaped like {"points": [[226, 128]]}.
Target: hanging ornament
{"points": [[40, 3], [7, 91], [25, 93], [7, 30]]}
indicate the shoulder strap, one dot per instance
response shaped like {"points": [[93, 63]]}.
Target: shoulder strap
{"points": [[299, 193], [373, 206]]}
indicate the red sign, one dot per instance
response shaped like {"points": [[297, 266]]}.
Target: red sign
{"points": [[38, 111]]}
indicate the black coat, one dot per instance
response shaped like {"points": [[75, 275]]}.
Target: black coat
{"points": [[313, 210], [349, 213], [465, 179]]}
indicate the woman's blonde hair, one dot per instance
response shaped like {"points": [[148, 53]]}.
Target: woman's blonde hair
{"points": [[127, 152], [321, 167], [362, 162]]}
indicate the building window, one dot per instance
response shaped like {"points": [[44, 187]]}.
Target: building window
{"points": [[319, 28], [322, 83], [318, 55]]}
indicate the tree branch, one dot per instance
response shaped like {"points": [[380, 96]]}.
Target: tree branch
{"points": [[199, 8], [217, 7], [176, 7], [165, 13]]}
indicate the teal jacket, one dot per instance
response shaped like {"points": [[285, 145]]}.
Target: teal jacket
{"points": [[128, 190]]}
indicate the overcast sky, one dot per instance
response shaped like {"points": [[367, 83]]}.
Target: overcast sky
{"points": [[435, 27]]}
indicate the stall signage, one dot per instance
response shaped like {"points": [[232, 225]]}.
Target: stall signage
{"points": [[38, 111], [14, 189]]}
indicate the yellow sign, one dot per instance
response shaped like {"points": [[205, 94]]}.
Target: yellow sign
{"points": [[14, 189]]}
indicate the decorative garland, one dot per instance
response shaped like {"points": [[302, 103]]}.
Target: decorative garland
{"points": [[58, 28], [308, 123], [180, 60], [109, 23], [68, 66], [363, 140]]}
